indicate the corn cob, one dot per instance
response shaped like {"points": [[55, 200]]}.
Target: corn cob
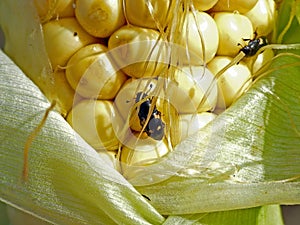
{"points": [[175, 44]]}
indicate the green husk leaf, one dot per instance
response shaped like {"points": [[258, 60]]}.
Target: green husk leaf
{"points": [[3, 214], [68, 183], [19, 217], [263, 215], [288, 23]]}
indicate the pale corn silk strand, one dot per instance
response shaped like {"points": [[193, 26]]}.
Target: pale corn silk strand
{"points": [[31, 138]]}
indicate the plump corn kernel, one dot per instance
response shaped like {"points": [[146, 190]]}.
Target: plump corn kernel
{"points": [[92, 119], [135, 159], [93, 74], [192, 89], [188, 124], [138, 13], [143, 151], [49, 9], [193, 41], [241, 6], [63, 38], [233, 28], [66, 96], [137, 52], [257, 63], [100, 18], [204, 5], [233, 81], [262, 16], [191, 123]]}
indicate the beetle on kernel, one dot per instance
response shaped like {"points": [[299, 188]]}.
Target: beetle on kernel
{"points": [[253, 45], [155, 126]]}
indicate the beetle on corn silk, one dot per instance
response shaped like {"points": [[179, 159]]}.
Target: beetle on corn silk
{"points": [[249, 50], [253, 45]]}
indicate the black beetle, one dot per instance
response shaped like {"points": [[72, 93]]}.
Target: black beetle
{"points": [[253, 45], [155, 126]]}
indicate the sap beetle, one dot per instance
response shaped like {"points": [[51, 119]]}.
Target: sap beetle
{"points": [[253, 45], [155, 126]]}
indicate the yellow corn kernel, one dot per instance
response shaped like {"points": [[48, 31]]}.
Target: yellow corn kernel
{"points": [[135, 51], [191, 39], [100, 18], [241, 6], [93, 74], [203, 5], [262, 16], [92, 119], [192, 90], [63, 38], [49, 9], [233, 28], [143, 152], [233, 81], [65, 95], [191, 123], [137, 13]]}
